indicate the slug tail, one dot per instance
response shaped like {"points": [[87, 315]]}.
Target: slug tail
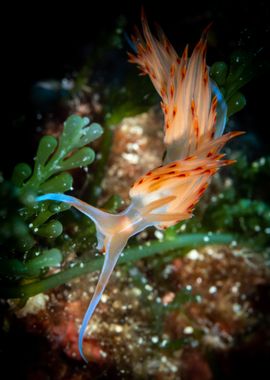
{"points": [[109, 237], [114, 247]]}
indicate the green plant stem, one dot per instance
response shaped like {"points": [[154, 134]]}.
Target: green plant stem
{"points": [[130, 255]]}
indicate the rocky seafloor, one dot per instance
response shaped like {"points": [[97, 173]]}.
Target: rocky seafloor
{"points": [[138, 330]]}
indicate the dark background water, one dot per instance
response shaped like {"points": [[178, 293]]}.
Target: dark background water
{"points": [[49, 40]]}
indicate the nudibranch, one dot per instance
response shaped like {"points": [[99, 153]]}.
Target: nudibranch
{"points": [[194, 120]]}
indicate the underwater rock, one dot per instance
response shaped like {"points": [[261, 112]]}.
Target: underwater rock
{"points": [[124, 336], [33, 305], [136, 148], [224, 307]]}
